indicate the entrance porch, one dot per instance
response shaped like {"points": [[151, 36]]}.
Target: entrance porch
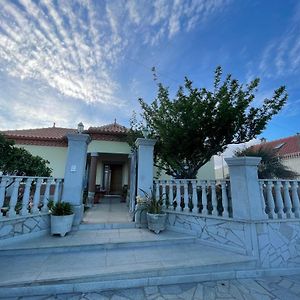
{"points": [[110, 210]]}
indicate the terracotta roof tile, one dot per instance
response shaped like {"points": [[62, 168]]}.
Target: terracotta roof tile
{"points": [[285, 146], [50, 133], [110, 128]]}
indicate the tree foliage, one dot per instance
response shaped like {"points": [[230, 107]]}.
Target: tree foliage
{"points": [[199, 123], [18, 161], [271, 165]]}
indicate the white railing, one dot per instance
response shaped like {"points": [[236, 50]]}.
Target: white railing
{"points": [[23, 195], [280, 198], [204, 197]]}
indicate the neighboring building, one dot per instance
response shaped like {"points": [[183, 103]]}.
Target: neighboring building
{"points": [[287, 148]]}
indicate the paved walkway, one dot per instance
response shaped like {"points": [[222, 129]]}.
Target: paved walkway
{"points": [[271, 288], [110, 210]]}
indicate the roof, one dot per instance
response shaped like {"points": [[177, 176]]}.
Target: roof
{"points": [[53, 133], [109, 128], [287, 146], [56, 136]]}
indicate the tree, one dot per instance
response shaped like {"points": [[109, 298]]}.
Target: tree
{"points": [[18, 161], [271, 165], [199, 123]]}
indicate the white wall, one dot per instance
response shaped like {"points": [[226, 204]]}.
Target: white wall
{"points": [[57, 156]]}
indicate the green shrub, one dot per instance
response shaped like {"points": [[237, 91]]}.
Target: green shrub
{"points": [[62, 209]]}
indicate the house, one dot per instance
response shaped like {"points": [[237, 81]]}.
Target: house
{"points": [[287, 148], [108, 158]]}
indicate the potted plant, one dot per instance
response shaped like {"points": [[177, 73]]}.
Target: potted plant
{"points": [[156, 218], [61, 218]]}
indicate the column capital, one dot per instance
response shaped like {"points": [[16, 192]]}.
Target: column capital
{"points": [[243, 161], [145, 142], [79, 137]]}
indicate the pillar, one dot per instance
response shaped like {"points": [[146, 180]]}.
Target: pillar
{"points": [[92, 179], [75, 173], [145, 165], [144, 176], [246, 198]]}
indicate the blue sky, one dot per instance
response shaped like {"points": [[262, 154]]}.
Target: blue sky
{"points": [[71, 61]]}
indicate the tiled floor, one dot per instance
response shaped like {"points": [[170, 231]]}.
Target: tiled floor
{"points": [[270, 288], [109, 210]]}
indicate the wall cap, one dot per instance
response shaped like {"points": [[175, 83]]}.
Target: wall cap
{"points": [[145, 142], [243, 161]]}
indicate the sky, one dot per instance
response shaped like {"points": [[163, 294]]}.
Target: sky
{"points": [[87, 61]]}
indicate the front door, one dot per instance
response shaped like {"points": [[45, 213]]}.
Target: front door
{"points": [[116, 180]]}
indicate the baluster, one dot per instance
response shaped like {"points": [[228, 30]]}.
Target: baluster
{"points": [[279, 200], [157, 183], [26, 197], [178, 196], [3, 183], [195, 196], [164, 194], [214, 202], [295, 197], [270, 200], [204, 198], [36, 197], [14, 198], [261, 187], [287, 200], [171, 194], [224, 200], [56, 192], [46, 195], [185, 195]]}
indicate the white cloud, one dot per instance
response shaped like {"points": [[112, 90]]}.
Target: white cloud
{"points": [[75, 47]]}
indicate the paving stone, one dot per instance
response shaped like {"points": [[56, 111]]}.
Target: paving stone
{"points": [[133, 294], [95, 296]]}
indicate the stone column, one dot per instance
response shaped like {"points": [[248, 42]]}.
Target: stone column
{"points": [[75, 172], [144, 175], [92, 179], [145, 165], [247, 203]]}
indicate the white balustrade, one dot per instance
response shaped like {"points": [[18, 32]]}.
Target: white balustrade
{"points": [[214, 202], [3, 184], [163, 196], [295, 198], [21, 195], [171, 195], [46, 196], [185, 195], [225, 203], [282, 198], [26, 197], [204, 198], [178, 196], [187, 189], [195, 196]]}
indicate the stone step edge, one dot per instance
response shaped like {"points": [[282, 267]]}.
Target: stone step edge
{"points": [[156, 271], [84, 287], [95, 246], [105, 226]]}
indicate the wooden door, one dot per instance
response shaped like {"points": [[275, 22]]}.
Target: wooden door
{"points": [[116, 179]]}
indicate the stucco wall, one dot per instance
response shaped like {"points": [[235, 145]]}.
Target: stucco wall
{"points": [[109, 147], [57, 157], [293, 164], [205, 172]]}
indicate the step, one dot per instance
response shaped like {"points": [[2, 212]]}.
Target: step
{"points": [[103, 226], [85, 240], [87, 271]]}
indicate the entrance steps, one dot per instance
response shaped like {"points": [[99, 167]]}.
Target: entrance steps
{"points": [[91, 260]]}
